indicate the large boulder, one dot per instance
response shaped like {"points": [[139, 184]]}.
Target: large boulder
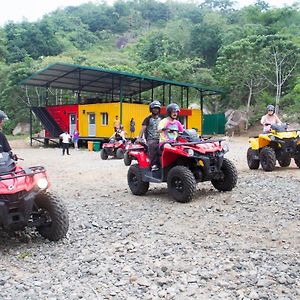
{"points": [[236, 122], [21, 128]]}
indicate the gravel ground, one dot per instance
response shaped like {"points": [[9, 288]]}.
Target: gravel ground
{"points": [[242, 244]]}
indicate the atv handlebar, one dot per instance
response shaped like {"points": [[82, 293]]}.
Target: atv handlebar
{"points": [[15, 157]]}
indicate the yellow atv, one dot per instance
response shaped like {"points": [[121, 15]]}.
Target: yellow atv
{"points": [[279, 144]]}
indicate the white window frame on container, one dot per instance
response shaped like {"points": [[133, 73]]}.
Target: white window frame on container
{"points": [[104, 119]]}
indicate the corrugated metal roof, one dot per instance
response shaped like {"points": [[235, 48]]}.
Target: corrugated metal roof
{"points": [[99, 80]]}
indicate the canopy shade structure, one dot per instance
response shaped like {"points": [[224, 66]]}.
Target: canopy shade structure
{"points": [[105, 81]]}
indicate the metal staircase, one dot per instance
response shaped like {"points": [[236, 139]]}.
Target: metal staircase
{"points": [[47, 120]]}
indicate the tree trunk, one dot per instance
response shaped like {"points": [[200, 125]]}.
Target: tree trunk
{"points": [[248, 106]]}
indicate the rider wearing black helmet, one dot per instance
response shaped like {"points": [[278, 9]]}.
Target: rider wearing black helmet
{"points": [[3, 140], [150, 131], [170, 127], [269, 119]]}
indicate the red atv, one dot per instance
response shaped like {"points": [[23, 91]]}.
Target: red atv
{"points": [[187, 161], [115, 148], [25, 201]]}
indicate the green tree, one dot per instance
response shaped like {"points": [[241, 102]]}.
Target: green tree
{"points": [[240, 66], [206, 40], [281, 57]]}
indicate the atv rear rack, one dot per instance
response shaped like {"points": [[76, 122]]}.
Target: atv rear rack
{"points": [[22, 173]]}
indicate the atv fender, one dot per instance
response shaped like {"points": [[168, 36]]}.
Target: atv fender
{"points": [[261, 141], [254, 143], [142, 158]]}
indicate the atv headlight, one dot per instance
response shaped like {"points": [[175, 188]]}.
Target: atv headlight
{"points": [[225, 148], [190, 152], [273, 138], [42, 183]]}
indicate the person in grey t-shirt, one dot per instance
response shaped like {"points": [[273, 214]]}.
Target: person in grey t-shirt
{"points": [[150, 131]]}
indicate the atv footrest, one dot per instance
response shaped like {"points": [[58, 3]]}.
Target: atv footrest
{"points": [[153, 176]]}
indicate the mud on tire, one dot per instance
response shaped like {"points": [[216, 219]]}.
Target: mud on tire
{"points": [[253, 164], [267, 158], [56, 216], [103, 154], [181, 184], [127, 159], [284, 161], [297, 161], [230, 176], [135, 183], [120, 153]]}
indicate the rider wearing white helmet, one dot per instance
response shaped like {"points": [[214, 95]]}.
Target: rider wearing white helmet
{"points": [[269, 119]]}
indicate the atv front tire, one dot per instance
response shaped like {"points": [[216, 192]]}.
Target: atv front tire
{"points": [[52, 209], [135, 182], [181, 184], [120, 153], [103, 154], [297, 161], [229, 177], [253, 163], [127, 159], [267, 158]]}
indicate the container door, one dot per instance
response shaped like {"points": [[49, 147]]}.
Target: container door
{"points": [[72, 123], [92, 124], [183, 121]]}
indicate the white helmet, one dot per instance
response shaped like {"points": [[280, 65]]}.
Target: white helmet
{"points": [[3, 115]]}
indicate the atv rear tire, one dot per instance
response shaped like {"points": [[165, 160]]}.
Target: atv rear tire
{"points": [[267, 158], [120, 153], [181, 184], [103, 154], [127, 159], [297, 161], [229, 178], [253, 163], [135, 182], [57, 219], [285, 161]]}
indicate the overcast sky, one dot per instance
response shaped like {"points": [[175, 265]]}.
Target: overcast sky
{"points": [[32, 10]]}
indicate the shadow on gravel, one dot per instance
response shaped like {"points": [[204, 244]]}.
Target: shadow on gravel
{"points": [[14, 240], [161, 194]]}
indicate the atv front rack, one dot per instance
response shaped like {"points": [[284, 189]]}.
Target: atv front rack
{"points": [[31, 171], [196, 143]]}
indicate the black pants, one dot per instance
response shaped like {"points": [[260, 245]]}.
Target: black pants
{"points": [[153, 152], [65, 146]]}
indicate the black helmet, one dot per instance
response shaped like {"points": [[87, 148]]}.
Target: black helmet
{"points": [[172, 107], [270, 107], [3, 115], [154, 104]]}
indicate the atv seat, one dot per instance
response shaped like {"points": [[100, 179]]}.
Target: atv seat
{"points": [[142, 143]]}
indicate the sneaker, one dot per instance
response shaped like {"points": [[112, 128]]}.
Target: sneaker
{"points": [[154, 168]]}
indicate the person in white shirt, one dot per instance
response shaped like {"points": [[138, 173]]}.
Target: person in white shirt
{"points": [[269, 119], [65, 142]]}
